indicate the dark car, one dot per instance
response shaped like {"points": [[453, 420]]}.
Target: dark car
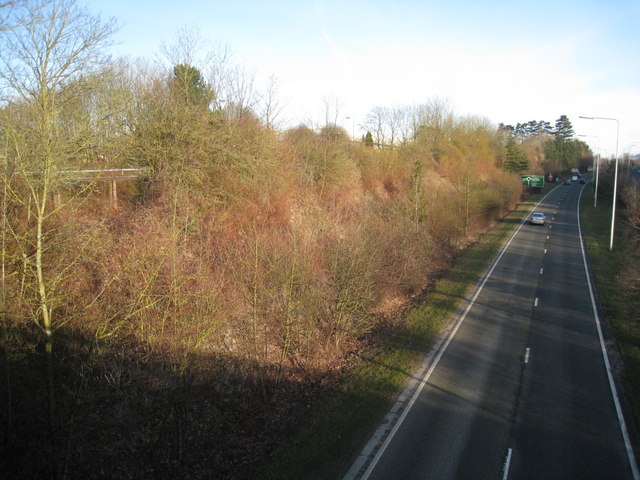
{"points": [[582, 180]]}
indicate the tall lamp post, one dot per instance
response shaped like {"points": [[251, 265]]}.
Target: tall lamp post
{"points": [[596, 163], [353, 128], [615, 178], [628, 154]]}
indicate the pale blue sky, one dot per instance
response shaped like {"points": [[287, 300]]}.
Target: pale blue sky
{"points": [[506, 60]]}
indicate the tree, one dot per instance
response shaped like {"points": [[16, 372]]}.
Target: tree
{"points": [[375, 123], [190, 87], [516, 160], [269, 104], [45, 62], [563, 129], [368, 139], [563, 133]]}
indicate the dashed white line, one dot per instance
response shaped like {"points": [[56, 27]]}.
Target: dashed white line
{"points": [[526, 355], [535, 304], [541, 270]]}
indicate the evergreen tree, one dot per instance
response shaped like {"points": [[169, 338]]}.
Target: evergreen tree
{"points": [[564, 129], [516, 159], [564, 147], [368, 140], [188, 84]]}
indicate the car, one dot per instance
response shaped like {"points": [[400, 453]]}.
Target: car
{"points": [[574, 178], [582, 180], [537, 218], [567, 181]]}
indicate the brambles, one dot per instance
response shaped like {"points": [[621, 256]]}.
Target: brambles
{"points": [[231, 285]]}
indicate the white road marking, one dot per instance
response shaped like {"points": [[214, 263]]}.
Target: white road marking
{"points": [[535, 304], [541, 270], [614, 392], [507, 463], [381, 439], [526, 355]]}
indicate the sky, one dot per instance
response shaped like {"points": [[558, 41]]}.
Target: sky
{"points": [[508, 61]]}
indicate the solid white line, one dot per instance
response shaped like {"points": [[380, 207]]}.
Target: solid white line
{"points": [[353, 472], [614, 392], [507, 463]]}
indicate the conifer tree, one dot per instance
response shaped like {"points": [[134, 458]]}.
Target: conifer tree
{"points": [[516, 159], [563, 133]]}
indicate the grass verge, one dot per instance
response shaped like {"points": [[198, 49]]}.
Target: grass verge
{"points": [[332, 435], [619, 305]]}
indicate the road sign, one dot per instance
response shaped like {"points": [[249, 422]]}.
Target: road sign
{"points": [[533, 180]]}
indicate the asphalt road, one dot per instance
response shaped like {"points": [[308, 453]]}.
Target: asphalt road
{"points": [[521, 390]]}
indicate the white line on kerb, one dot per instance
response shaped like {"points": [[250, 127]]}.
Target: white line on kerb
{"points": [[507, 463]]}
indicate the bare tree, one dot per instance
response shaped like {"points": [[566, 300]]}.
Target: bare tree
{"points": [[332, 106], [11, 14], [375, 123], [270, 106], [57, 46]]}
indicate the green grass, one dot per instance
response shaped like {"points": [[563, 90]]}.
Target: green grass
{"points": [[341, 422], [619, 305]]}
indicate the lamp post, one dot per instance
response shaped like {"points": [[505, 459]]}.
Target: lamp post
{"points": [[628, 154], [615, 177], [353, 128], [596, 163]]}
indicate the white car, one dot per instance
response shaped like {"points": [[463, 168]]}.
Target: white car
{"points": [[537, 218]]}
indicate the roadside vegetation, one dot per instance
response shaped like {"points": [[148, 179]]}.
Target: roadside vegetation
{"points": [[617, 276], [345, 418], [185, 329]]}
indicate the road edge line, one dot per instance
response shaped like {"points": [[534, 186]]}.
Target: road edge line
{"points": [[614, 391]]}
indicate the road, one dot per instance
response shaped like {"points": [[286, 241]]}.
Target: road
{"points": [[520, 388]]}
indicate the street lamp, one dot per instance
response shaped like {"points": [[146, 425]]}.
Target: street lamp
{"points": [[596, 162], [353, 128], [628, 154], [615, 177]]}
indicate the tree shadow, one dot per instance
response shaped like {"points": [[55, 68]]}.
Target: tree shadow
{"points": [[119, 415]]}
